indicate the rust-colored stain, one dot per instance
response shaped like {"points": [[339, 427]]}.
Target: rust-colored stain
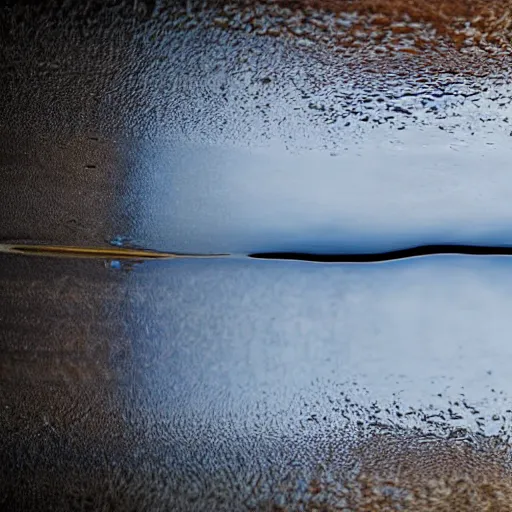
{"points": [[453, 33], [405, 474]]}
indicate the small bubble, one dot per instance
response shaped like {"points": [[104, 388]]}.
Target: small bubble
{"points": [[121, 265], [115, 264], [121, 241]]}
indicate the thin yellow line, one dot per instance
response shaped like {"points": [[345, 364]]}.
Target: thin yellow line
{"points": [[95, 252]]}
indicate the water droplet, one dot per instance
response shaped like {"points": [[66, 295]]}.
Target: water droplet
{"points": [[122, 265], [115, 264], [121, 241]]}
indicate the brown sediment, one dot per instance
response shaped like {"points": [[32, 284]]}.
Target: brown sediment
{"points": [[485, 13], [450, 494], [411, 27], [438, 475], [447, 17], [411, 475]]}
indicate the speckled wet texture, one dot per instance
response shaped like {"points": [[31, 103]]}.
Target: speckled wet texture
{"points": [[236, 384], [275, 127]]}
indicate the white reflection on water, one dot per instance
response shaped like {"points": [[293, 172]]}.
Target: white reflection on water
{"points": [[425, 188], [233, 335]]}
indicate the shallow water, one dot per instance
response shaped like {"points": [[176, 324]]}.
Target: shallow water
{"points": [[211, 375], [215, 140], [243, 384]]}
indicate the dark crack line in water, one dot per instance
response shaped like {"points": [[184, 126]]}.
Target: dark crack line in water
{"points": [[145, 254], [378, 257]]}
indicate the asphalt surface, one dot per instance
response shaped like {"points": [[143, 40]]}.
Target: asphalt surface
{"points": [[244, 384]]}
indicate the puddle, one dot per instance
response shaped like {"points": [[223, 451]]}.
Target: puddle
{"points": [[421, 141], [222, 384], [359, 131]]}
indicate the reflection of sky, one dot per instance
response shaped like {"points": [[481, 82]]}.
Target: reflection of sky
{"points": [[223, 337], [250, 144], [424, 188]]}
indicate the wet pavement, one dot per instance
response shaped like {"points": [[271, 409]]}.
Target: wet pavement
{"points": [[195, 385], [235, 383]]}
